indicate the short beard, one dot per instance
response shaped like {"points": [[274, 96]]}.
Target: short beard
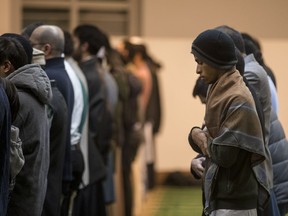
{"points": [[77, 56]]}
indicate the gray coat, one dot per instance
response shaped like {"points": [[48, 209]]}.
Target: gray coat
{"points": [[258, 80], [34, 91]]}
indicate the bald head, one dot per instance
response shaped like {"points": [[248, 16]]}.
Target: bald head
{"points": [[49, 39]]}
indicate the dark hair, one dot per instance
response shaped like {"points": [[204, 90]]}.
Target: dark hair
{"points": [[240, 66], [134, 49], [12, 96], [68, 45], [252, 48], [130, 51], [92, 35], [252, 45], [28, 30], [12, 50], [235, 36], [24, 42], [200, 88], [153, 63], [106, 42], [249, 37]]}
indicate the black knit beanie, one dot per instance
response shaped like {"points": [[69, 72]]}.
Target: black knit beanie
{"points": [[24, 42], [215, 48]]}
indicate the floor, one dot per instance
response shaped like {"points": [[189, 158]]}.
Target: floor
{"points": [[173, 201]]}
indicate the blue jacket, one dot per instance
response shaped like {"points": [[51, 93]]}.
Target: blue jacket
{"points": [[278, 146], [55, 70], [5, 124]]}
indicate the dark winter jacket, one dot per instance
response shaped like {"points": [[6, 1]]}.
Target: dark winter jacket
{"points": [[100, 121], [278, 146], [5, 124], [55, 70]]}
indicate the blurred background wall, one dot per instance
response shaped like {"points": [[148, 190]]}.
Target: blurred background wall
{"points": [[168, 27]]}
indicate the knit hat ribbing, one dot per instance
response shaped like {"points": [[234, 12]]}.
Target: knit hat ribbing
{"points": [[215, 48]]}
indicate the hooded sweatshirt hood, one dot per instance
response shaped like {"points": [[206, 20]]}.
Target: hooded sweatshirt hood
{"points": [[33, 78]]}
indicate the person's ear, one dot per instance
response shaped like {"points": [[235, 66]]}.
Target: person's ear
{"points": [[47, 49], [7, 67]]}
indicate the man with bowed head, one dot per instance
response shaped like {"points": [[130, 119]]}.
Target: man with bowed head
{"points": [[231, 138], [50, 40]]}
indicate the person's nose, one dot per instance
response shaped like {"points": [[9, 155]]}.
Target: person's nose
{"points": [[198, 69]]}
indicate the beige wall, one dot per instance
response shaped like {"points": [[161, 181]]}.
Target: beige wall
{"points": [[5, 15], [10, 16], [186, 18]]}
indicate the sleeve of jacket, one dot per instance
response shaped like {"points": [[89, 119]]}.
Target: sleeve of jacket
{"points": [[192, 143]]}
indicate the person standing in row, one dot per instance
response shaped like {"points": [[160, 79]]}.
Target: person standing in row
{"points": [[87, 42], [50, 40], [258, 79], [231, 184], [33, 121], [6, 116]]}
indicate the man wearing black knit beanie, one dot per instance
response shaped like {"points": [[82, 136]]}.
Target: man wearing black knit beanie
{"points": [[231, 138]]}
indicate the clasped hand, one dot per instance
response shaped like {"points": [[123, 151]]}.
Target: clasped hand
{"points": [[200, 138]]}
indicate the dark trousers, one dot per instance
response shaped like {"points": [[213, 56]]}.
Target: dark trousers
{"points": [[150, 176], [58, 132], [127, 188], [70, 187], [90, 201]]}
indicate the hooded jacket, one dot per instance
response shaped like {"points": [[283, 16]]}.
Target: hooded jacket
{"points": [[33, 121]]}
